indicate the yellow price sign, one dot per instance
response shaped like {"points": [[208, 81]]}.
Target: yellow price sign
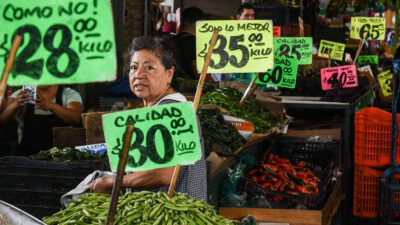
{"points": [[385, 80], [243, 46], [367, 28], [333, 49]]}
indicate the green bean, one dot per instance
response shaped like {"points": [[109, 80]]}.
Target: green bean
{"points": [[145, 208]]}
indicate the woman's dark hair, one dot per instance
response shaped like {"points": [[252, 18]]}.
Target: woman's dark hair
{"points": [[164, 48]]}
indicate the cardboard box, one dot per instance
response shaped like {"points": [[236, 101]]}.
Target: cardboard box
{"points": [[217, 162], [68, 136]]}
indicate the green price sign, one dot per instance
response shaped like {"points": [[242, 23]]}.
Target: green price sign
{"points": [[368, 60], [331, 49], [64, 41], [299, 48], [367, 28], [283, 74], [242, 46], [164, 136], [386, 81]]}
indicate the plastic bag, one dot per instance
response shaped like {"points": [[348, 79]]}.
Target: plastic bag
{"points": [[231, 195]]}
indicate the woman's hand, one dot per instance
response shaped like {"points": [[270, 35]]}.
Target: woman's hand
{"points": [[21, 99], [102, 185], [43, 102]]}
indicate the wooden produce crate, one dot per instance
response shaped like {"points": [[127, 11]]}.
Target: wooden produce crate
{"points": [[92, 122], [291, 216], [68, 136]]}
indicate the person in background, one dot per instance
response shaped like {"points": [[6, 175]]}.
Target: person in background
{"points": [[152, 78], [245, 12], [186, 42], [54, 106]]}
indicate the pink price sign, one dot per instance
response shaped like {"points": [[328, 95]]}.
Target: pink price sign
{"points": [[276, 31], [341, 76]]}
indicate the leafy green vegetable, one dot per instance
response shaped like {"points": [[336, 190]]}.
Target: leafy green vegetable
{"points": [[219, 135], [190, 86], [253, 111], [66, 155]]}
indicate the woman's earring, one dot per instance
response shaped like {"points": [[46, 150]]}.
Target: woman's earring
{"points": [[169, 83]]}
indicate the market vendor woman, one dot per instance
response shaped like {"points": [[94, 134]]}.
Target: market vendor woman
{"points": [[152, 78], [54, 106]]}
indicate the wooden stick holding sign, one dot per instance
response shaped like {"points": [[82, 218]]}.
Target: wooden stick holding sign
{"points": [[301, 27], [123, 158], [196, 101], [9, 64], [250, 89], [329, 61], [360, 46]]}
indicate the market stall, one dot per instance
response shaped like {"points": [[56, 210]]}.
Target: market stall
{"points": [[292, 138]]}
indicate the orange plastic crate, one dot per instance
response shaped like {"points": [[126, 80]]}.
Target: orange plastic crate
{"points": [[367, 191], [372, 144]]}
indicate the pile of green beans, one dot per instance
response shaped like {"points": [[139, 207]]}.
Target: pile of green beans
{"points": [[144, 208]]}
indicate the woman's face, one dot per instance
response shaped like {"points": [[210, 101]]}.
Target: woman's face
{"points": [[148, 77]]}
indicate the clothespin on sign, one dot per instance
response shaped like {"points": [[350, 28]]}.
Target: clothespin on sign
{"points": [[196, 101], [9, 64]]}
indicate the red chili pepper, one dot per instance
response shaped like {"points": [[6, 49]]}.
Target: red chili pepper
{"points": [[266, 185], [277, 183], [261, 178], [302, 189], [254, 178], [281, 160], [253, 171], [286, 167], [282, 187], [292, 192], [282, 177], [274, 179], [272, 167], [313, 183], [278, 198], [301, 164], [270, 157]]}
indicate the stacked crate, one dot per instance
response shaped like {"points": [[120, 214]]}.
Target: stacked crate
{"points": [[372, 150]]}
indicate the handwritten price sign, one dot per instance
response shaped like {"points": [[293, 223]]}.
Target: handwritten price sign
{"points": [[164, 136], [242, 46], [333, 49], [283, 74], [65, 41], [367, 28], [341, 76], [386, 81], [368, 60], [299, 48]]}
